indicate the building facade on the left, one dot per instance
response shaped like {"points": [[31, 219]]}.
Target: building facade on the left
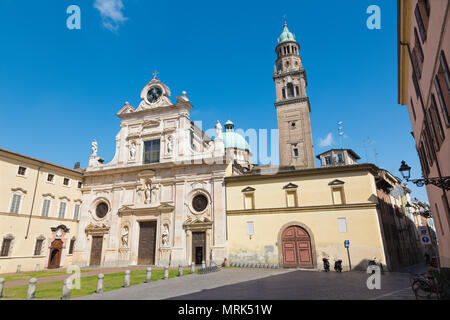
{"points": [[39, 211]]}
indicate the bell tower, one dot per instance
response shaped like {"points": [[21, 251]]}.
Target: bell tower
{"points": [[292, 104]]}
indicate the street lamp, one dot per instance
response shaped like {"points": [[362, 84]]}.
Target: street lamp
{"points": [[441, 182]]}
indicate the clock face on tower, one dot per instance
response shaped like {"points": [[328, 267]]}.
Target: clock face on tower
{"points": [[153, 94]]}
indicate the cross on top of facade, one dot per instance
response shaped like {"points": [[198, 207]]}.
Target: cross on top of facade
{"points": [[155, 74]]}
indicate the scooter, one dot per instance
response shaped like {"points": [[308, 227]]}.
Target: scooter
{"points": [[373, 263], [338, 265], [326, 264]]}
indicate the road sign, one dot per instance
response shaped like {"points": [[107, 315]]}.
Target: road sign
{"points": [[347, 243], [424, 236]]}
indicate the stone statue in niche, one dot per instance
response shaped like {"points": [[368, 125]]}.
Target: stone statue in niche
{"points": [[154, 196], [165, 235], [218, 130], [124, 238], [94, 147], [148, 193], [132, 150], [169, 144]]}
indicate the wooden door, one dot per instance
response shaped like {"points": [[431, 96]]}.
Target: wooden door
{"points": [[198, 247], [296, 246], [147, 243], [96, 251], [54, 259]]}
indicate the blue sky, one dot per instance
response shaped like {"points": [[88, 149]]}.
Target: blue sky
{"points": [[61, 88]]}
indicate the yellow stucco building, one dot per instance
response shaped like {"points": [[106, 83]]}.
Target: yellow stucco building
{"points": [[39, 212], [295, 218]]}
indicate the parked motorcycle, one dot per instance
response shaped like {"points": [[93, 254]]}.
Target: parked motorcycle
{"points": [[338, 265], [326, 264]]}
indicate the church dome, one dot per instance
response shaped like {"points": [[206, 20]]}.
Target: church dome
{"points": [[286, 35], [232, 139]]}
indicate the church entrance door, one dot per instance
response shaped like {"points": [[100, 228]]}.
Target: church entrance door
{"points": [[296, 244], [55, 254], [198, 247], [96, 251], [147, 243]]}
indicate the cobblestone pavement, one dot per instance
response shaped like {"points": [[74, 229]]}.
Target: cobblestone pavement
{"points": [[266, 284]]}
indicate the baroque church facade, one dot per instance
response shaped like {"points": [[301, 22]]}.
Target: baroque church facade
{"points": [[161, 200]]}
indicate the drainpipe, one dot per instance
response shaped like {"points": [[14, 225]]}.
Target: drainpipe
{"points": [[32, 203]]}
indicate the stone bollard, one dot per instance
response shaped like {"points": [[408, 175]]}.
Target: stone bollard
{"points": [[148, 277], [203, 264], [18, 268], [31, 293], [126, 279], [100, 279], [192, 268], [2, 284], [66, 289], [38, 267], [166, 273], [180, 271]]}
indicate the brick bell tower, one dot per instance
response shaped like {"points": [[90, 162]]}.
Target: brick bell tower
{"points": [[292, 104]]}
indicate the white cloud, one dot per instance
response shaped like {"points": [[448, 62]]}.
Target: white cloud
{"points": [[327, 141], [111, 13]]}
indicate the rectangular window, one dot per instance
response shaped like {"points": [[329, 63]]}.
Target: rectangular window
{"points": [[416, 67], [415, 82], [80, 185], [62, 210], [71, 246], [413, 110], [432, 129], [295, 151], [420, 23], [437, 117], [38, 247], [342, 225], [76, 213], [45, 207], [250, 228], [249, 201], [328, 160], [338, 195], [50, 177], [15, 203], [66, 181], [21, 171], [445, 70], [5, 247], [340, 158], [291, 196], [442, 102], [418, 45], [151, 151]]}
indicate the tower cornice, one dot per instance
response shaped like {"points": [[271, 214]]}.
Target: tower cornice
{"points": [[291, 101]]}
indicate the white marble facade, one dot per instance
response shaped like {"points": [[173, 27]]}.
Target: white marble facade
{"points": [[190, 164]]}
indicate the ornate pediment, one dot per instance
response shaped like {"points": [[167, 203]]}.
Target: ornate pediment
{"points": [[127, 108], [290, 186], [96, 229]]}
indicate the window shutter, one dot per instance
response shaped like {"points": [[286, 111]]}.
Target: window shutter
{"points": [[62, 210], [15, 204], [5, 247]]}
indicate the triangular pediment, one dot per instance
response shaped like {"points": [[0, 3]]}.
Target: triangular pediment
{"points": [[290, 186], [248, 189], [336, 182]]}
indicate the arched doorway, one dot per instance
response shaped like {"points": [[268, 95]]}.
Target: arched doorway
{"points": [[296, 247], [55, 254]]}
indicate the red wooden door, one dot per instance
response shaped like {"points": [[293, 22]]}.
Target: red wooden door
{"points": [[296, 246], [54, 259]]}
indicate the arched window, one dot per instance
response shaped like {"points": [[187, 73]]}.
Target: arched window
{"points": [[290, 90]]}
